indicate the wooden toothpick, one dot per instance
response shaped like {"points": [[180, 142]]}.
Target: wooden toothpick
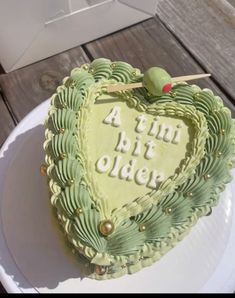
{"points": [[123, 87], [190, 78]]}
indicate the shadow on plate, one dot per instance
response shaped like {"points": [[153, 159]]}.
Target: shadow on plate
{"points": [[33, 235]]}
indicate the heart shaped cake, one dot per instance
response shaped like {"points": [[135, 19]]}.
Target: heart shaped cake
{"points": [[130, 172]]}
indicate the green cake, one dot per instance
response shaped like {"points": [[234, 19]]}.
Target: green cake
{"points": [[130, 172]]}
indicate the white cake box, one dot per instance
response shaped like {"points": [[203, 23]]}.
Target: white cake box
{"points": [[31, 30]]}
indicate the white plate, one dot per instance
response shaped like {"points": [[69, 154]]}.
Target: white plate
{"points": [[35, 258]]}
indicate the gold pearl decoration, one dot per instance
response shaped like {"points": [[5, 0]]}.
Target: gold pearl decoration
{"points": [[142, 228], [134, 73], [113, 65], [222, 131], [189, 194], [168, 210], [79, 211], [63, 155], [196, 96], [100, 270], [219, 154], [72, 85], [173, 94], [62, 130], [207, 176], [70, 182], [106, 227], [85, 66], [91, 70], [43, 170]]}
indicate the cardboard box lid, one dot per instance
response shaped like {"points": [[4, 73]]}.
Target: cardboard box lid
{"points": [[31, 30]]}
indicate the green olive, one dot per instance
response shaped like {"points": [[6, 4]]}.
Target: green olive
{"points": [[157, 81]]}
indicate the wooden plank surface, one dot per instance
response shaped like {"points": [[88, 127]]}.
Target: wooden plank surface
{"points": [[143, 45], [1, 69], [6, 122], [232, 2], [207, 30], [27, 87], [151, 44], [2, 289]]}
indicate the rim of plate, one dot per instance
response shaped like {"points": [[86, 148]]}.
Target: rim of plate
{"points": [[7, 280], [225, 268]]}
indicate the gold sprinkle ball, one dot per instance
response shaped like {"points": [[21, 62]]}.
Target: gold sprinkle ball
{"points": [[62, 130], [70, 182], [43, 170], [189, 194], [196, 96], [207, 176], [222, 131], [106, 227], [79, 211], [173, 94], [63, 155], [85, 66], [134, 72], [168, 210], [142, 228]]}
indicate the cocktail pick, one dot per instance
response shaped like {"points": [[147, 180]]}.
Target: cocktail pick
{"points": [[157, 81]]}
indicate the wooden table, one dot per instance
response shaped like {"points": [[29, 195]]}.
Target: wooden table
{"points": [[185, 37]]}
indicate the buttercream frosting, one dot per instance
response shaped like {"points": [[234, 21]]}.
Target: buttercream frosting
{"points": [[149, 165]]}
